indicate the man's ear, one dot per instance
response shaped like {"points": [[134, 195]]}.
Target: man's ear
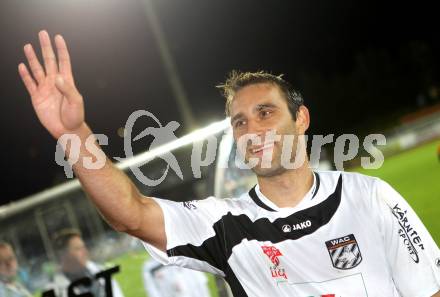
{"points": [[302, 120]]}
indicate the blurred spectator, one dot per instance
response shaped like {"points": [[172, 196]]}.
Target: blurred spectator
{"points": [[9, 284], [75, 264], [173, 281]]}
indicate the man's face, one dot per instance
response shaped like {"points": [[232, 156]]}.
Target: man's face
{"points": [[76, 254], [257, 109], [8, 263]]}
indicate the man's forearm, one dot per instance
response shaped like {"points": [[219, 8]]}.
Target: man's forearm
{"points": [[110, 189]]}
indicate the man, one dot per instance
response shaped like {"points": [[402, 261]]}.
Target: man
{"points": [[297, 233], [75, 264], [9, 285]]}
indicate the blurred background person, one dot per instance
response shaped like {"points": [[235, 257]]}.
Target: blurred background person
{"points": [[173, 281], [9, 284], [75, 264]]}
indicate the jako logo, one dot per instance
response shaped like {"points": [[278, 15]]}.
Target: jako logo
{"points": [[299, 226], [287, 228]]}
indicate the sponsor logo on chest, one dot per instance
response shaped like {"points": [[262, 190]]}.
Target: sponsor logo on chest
{"points": [[191, 205], [300, 226], [409, 235], [344, 252], [277, 271]]}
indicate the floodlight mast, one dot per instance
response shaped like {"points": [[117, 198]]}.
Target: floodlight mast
{"points": [[170, 67]]}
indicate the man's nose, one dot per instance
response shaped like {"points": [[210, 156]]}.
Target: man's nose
{"points": [[254, 127]]}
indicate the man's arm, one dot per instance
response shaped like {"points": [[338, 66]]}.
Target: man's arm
{"points": [[60, 108], [436, 294], [119, 200], [411, 252]]}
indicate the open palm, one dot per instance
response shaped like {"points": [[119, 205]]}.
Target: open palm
{"points": [[57, 103]]}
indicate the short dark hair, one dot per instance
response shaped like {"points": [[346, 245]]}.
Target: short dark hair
{"points": [[61, 239], [238, 80]]}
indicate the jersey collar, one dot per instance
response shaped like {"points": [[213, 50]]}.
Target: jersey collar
{"points": [[263, 202]]}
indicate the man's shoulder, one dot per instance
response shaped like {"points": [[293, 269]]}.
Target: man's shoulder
{"points": [[59, 282], [15, 289], [349, 178], [218, 203], [2, 287], [94, 267], [358, 188]]}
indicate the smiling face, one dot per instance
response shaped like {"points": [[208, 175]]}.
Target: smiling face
{"points": [[260, 108]]}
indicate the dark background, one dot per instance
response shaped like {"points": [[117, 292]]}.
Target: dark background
{"points": [[361, 66]]}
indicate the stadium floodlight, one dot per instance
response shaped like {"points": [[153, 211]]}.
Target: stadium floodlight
{"points": [[195, 136], [142, 158]]}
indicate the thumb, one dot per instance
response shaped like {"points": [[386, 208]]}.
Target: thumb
{"points": [[67, 89]]}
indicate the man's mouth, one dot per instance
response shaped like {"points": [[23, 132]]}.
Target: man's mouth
{"points": [[259, 150]]}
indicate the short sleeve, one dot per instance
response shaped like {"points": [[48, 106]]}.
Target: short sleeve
{"points": [[194, 234], [412, 254]]}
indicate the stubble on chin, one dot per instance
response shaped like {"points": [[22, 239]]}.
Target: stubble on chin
{"points": [[268, 172]]}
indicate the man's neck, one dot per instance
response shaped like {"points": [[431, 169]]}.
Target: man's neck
{"points": [[73, 270], [289, 188]]}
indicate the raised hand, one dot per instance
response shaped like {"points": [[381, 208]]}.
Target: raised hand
{"points": [[57, 103]]}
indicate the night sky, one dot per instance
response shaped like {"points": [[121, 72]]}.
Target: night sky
{"points": [[356, 64]]}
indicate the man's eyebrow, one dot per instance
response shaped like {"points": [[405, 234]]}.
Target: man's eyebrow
{"points": [[265, 105], [237, 116], [257, 107]]}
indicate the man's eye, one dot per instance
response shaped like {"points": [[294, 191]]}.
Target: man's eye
{"points": [[239, 123], [265, 113]]}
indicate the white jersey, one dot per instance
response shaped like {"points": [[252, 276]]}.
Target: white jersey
{"points": [[173, 281], [351, 235]]}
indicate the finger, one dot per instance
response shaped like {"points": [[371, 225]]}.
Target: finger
{"points": [[63, 58], [34, 64], [50, 62], [68, 90], [27, 79]]}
